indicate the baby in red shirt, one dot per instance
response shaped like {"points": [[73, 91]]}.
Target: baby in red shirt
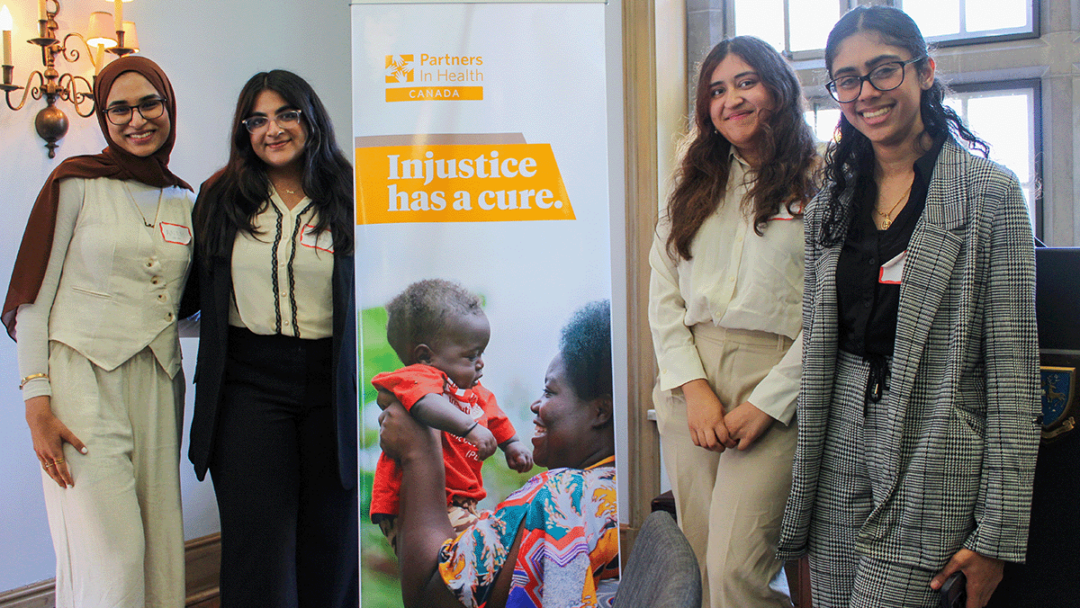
{"points": [[439, 331]]}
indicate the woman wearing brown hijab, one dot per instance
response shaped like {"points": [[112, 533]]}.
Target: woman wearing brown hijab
{"points": [[95, 292]]}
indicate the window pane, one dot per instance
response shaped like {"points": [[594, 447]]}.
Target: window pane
{"points": [[761, 18], [996, 14], [823, 121], [1005, 120], [810, 22], [935, 17], [1002, 120]]}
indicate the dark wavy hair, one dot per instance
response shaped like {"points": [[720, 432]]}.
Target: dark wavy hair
{"points": [[787, 155], [419, 314], [585, 348], [241, 186], [849, 163]]}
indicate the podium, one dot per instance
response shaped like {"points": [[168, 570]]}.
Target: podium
{"points": [[1051, 576]]}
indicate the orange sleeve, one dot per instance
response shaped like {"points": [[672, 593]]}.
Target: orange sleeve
{"points": [[412, 383], [497, 421]]}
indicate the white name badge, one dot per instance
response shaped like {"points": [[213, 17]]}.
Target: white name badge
{"points": [[324, 241], [175, 233], [893, 271]]}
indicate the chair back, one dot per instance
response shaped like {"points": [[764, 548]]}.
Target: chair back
{"points": [[662, 571]]}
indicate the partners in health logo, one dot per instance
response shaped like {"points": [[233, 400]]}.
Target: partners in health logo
{"points": [[399, 69], [434, 77]]}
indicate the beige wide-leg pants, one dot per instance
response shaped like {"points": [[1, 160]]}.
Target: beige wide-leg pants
{"points": [[730, 505], [118, 533]]}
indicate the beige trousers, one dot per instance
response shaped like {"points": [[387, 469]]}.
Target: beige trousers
{"points": [[730, 505], [118, 533]]}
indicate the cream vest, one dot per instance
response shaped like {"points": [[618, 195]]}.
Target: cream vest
{"points": [[122, 281]]}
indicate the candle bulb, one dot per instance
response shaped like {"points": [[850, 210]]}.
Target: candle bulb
{"points": [[99, 59], [118, 15], [5, 25], [42, 15]]}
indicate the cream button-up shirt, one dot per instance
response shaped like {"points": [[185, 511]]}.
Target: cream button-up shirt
{"points": [[281, 275], [736, 280]]}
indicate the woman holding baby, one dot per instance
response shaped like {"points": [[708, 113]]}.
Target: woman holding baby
{"points": [[568, 510]]}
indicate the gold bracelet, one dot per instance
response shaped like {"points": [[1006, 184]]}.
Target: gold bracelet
{"points": [[23, 382]]}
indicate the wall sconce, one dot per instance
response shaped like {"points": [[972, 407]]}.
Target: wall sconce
{"points": [[51, 123]]}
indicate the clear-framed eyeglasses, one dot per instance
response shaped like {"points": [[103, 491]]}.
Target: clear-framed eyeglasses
{"points": [[884, 77], [284, 119], [149, 109]]}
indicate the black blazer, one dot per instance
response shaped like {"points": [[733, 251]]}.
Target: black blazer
{"points": [[208, 291]]}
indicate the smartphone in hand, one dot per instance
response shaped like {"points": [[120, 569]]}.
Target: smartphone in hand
{"points": [[954, 591]]}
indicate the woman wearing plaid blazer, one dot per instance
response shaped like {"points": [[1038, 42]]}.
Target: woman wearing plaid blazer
{"points": [[918, 407]]}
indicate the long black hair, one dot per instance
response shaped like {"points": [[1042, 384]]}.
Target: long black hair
{"points": [[240, 188], [851, 158]]}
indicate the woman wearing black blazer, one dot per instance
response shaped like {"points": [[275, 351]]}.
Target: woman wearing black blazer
{"points": [[275, 399]]}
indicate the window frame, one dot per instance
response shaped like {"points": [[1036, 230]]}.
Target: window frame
{"points": [[809, 54], [1035, 86], [950, 40], [945, 41]]}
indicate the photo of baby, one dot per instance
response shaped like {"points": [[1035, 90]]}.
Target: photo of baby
{"points": [[530, 537], [439, 331]]}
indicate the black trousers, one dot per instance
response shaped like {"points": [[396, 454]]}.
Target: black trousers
{"points": [[288, 528]]}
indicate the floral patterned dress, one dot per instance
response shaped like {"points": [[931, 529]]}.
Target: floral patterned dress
{"points": [[570, 541]]}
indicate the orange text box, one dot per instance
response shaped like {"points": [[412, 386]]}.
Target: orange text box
{"points": [[435, 93], [459, 183]]}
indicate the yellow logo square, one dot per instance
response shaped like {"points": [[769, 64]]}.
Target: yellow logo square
{"points": [[399, 69]]}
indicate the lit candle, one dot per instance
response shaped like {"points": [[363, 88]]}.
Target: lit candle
{"points": [[118, 15], [41, 10], [6, 24]]}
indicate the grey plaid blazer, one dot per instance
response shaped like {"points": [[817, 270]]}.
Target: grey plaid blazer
{"points": [[964, 393]]}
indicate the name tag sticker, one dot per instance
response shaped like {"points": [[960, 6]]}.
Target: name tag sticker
{"points": [[324, 241], [784, 214], [175, 233], [893, 271]]}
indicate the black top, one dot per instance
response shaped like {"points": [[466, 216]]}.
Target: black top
{"points": [[868, 271], [208, 291]]}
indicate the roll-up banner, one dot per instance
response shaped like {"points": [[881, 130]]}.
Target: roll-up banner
{"points": [[481, 162]]}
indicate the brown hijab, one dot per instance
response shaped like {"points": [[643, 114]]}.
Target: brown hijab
{"points": [[113, 162]]}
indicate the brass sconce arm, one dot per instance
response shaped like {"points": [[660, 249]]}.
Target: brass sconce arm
{"points": [[34, 91], [69, 92], [51, 123]]}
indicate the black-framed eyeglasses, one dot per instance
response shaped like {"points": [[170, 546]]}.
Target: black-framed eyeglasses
{"points": [[284, 119], [884, 77], [148, 109]]}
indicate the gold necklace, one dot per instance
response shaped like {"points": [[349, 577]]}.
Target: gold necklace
{"points": [[887, 221], [157, 210], [284, 189]]}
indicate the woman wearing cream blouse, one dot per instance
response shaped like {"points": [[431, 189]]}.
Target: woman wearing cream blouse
{"points": [[725, 311], [275, 400]]}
